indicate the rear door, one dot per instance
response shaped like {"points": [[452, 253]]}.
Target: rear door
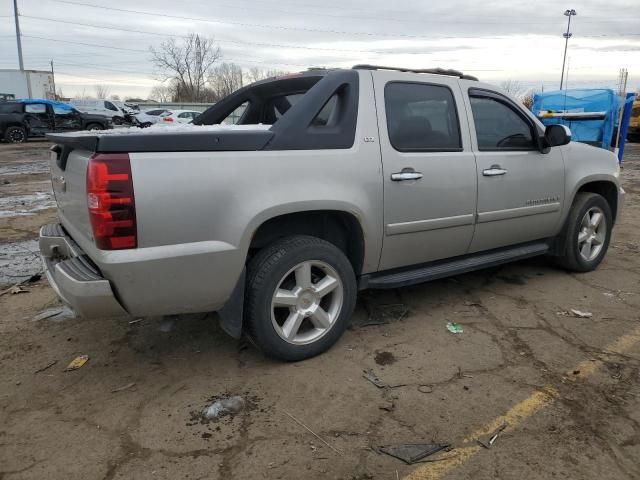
{"points": [[39, 118], [520, 189], [428, 166]]}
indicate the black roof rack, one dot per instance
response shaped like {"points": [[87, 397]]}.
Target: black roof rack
{"points": [[435, 71]]}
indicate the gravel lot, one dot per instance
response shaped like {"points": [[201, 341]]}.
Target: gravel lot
{"points": [[566, 386]]}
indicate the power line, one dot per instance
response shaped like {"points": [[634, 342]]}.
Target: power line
{"points": [[252, 61], [471, 21], [237, 42]]}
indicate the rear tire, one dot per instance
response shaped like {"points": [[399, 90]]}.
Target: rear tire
{"points": [[588, 234], [301, 292], [15, 135]]}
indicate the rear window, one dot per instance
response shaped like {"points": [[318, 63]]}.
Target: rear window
{"points": [[10, 108], [421, 117]]}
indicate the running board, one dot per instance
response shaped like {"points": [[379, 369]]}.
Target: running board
{"points": [[426, 272]]}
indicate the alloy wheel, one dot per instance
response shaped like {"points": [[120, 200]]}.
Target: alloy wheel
{"points": [[593, 233]]}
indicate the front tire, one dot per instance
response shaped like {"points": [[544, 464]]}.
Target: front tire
{"points": [[301, 292], [94, 126], [588, 233]]}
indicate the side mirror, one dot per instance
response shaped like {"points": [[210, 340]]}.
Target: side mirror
{"points": [[557, 135]]}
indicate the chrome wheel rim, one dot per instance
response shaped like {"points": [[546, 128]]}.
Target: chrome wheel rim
{"points": [[307, 302], [593, 233]]}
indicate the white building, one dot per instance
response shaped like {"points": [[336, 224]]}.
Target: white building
{"points": [[27, 83]]}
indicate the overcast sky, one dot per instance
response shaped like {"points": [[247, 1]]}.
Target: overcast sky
{"points": [[494, 40]]}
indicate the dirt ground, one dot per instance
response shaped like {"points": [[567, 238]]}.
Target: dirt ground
{"points": [[566, 386]]}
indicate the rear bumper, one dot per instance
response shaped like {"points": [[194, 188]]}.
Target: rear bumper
{"points": [[74, 278]]}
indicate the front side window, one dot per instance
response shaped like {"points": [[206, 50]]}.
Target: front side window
{"points": [[110, 106], [421, 117], [499, 126], [35, 108]]}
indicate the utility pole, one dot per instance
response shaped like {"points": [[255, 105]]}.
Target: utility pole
{"points": [[53, 77], [18, 40], [567, 36]]}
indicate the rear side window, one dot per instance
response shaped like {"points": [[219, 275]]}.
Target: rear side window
{"points": [[234, 117], [421, 117], [499, 126], [35, 108], [155, 112]]}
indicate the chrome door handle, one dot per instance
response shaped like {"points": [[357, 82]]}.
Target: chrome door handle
{"points": [[405, 175], [494, 171]]}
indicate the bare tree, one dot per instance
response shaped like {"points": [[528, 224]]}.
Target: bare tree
{"points": [[163, 93], [226, 78], [188, 62], [511, 86], [255, 74], [102, 91], [115, 97]]}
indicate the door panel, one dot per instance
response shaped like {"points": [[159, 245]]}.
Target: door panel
{"points": [[38, 117], [520, 190], [429, 170]]}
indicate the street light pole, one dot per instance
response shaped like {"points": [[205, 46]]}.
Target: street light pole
{"points": [[567, 35], [15, 11]]}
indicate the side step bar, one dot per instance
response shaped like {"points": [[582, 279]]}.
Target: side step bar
{"points": [[432, 271]]}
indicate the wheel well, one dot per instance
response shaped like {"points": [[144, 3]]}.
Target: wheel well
{"points": [[608, 190], [341, 229]]}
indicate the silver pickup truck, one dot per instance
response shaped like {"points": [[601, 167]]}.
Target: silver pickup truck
{"points": [[331, 181]]}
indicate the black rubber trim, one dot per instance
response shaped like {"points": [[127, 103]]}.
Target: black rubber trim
{"points": [[432, 271], [205, 141]]}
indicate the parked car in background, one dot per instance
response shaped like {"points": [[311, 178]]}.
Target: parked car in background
{"points": [[372, 178], [107, 108], [150, 117], [174, 117], [22, 119]]}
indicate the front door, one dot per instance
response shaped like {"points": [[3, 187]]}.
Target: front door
{"points": [[520, 189], [428, 167]]}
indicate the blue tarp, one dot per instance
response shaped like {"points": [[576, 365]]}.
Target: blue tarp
{"points": [[59, 105], [581, 101], [626, 117]]}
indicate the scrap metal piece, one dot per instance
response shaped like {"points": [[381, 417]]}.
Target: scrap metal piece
{"points": [[373, 378], [411, 453], [488, 440]]}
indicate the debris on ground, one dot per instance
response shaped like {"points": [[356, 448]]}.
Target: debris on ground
{"points": [[49, 365], [411, 453], [17, 289], [123, 388], [137, 320], [488, 440], [454, 327], [574, 313], [384, 314], [373, 378], [312, 432], [390, 406], [425, 388], [56, 314], [77, 363], [224, 406], [384, 358]]}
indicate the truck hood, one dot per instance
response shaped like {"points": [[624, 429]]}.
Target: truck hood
{"points": [[179, 138]]}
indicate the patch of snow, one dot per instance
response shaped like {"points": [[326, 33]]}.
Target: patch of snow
{"points": [[159, 130]]}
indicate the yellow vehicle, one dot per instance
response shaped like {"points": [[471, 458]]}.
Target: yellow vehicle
{"points": [[633, 134]]}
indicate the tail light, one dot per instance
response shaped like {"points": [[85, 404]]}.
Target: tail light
{"points": [[168, 119], [112, 207]]}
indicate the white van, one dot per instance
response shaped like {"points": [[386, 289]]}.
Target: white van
{"points": [[104, 107]]}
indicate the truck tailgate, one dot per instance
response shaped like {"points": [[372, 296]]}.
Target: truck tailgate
{"points": [[68, 177]]}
